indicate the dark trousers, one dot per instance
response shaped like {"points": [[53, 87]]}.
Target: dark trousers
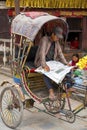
{"points": [[48, 82]]}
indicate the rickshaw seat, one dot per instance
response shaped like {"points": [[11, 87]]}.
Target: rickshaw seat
{"points": [[30, 64], [32, 53], [31, 57]]}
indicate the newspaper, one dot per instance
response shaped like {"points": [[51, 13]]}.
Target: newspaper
{"points": [[57, 71]]}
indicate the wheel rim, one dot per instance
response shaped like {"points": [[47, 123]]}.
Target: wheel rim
{"points": [[11, 108], [54, 106], [70, 116]]}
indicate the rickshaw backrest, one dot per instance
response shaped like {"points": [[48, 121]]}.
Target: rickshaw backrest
{"points": [[32, 53]]}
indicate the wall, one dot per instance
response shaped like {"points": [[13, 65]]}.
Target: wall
{"points": [[4, 24], [84, 34]]}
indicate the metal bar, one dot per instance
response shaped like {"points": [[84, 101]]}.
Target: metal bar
{"points": [[17, 7], [27, 53]]}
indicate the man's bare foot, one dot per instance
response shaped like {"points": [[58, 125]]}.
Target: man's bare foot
{"points": [[51, 94], [72, 90]]}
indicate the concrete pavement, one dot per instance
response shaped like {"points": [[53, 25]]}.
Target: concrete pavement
{"points": [[36, 120]]}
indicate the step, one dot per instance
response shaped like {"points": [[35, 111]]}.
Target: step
{"points": [[5, 70], [79, 97], [81, 93]]}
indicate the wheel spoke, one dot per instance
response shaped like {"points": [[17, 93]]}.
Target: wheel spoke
{"points": [[15, 115], [7, 98], [11, 107], [7, 116]]}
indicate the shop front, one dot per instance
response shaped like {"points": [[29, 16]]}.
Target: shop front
{"points": [[74, 12]]}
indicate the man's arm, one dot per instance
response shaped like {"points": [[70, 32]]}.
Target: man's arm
{"points": [[43, 46], [61, 55]]}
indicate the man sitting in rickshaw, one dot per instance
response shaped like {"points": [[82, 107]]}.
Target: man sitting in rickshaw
{"points": [[49, 49]]}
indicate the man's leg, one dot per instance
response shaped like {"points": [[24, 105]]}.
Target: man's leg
{"points": [[49, 86]]}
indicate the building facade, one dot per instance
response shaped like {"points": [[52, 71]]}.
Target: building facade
{"points": [[74, 11], [4, 21]]}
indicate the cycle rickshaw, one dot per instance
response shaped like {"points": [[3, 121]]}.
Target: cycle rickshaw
{"points": [[26, 30]]}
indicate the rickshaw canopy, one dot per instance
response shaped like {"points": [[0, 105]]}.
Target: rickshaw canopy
{"points": [[28, 24]]}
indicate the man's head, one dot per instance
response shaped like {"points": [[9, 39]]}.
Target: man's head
{"points": [[58, 31]]}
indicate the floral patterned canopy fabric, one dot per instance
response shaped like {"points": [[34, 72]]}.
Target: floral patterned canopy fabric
{"points": [[28, 24]]}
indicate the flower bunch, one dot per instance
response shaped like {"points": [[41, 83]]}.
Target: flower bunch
{"points": [[82, 64]]}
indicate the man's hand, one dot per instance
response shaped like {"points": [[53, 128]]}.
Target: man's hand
{"points": [[46, 68], [68, 64]]}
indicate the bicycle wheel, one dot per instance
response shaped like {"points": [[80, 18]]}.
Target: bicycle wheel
{"points": [[11, 107], [54, 106], [70, 116]]}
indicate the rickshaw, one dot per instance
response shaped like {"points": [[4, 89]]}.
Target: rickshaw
{"points": [[26, 31]]}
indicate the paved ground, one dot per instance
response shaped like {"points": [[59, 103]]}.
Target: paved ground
{"points": [[36, 120]]}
